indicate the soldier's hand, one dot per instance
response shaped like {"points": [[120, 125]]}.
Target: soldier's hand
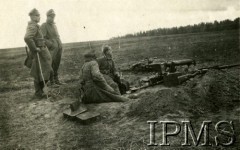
{"points": [[38, 49], [60, 46], [117, 74], [49, 43]]}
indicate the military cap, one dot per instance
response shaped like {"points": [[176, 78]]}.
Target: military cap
{"points": [[90, 54], [34, 11], [51, 12]]}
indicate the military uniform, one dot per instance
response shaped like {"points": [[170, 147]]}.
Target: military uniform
{"points": [[54, 44], [34, 39], [107, 68], [95, 87]]}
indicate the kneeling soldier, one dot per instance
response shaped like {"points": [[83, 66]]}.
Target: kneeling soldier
{"points": [[108, 69], [94, 86]]}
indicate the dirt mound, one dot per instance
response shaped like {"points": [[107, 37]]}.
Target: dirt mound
{"points": [[152, 105], [208, 93], [215, 90]]}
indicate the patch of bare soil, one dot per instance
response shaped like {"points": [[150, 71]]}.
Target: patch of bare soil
{"points": [[214, 91], [152, 105], [31, 124]]}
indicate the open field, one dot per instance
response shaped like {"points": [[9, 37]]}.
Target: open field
{"points": [[31, 124]]}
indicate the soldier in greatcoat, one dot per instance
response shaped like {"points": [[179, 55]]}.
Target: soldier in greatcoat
{"points": [[94, 86], [54, 44], [35, 41]]}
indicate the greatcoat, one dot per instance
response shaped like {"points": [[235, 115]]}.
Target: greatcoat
{"points": [[95, 87], [34, 39]]}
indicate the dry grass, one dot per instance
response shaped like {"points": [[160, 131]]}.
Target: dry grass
{"points": [[31, 124]]}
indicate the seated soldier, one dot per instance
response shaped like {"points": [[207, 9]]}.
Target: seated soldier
{"points": [[94, 86], [107, 68]]}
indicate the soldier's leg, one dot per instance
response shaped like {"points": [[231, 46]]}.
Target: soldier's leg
{"points": [[56, 64], [52, 73], [115, 87], [52, 82], [42, 86], [113, 84], [51, 78], [38, 88], [53, 52], [55, 72]]}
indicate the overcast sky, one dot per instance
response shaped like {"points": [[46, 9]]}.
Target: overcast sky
{"points": [[104, 19]]}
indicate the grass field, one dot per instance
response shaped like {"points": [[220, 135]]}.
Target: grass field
{"points": [[31, 124]]}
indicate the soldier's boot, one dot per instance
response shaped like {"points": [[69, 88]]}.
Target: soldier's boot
{"points": [[52, 83], [123, 86], [44, 95], [38, 90], [57, 81]]}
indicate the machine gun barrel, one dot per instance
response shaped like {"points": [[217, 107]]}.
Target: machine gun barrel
{"points": [[221, 67], [181, 62], [186, 77], [176, 78], [171, 66]]}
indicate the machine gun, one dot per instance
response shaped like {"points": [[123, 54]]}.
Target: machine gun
{"points": [[171, 66], [174, 78], [164, 71], [145, 65], [153, 65]]}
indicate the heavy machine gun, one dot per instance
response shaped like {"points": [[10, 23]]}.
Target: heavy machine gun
{"points": [[171, 76], [154, 65], [163, 71]]}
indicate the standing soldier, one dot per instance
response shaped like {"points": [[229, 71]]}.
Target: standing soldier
{"points": [[35, 41], [54, 44]]}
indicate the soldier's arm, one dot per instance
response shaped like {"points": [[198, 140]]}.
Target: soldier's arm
{"points": [[45, 36], [58, 38], [81, 76], [100, 64], [31, 32], [96, 74], [98, 77], [59, 43], [114, 68]]}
